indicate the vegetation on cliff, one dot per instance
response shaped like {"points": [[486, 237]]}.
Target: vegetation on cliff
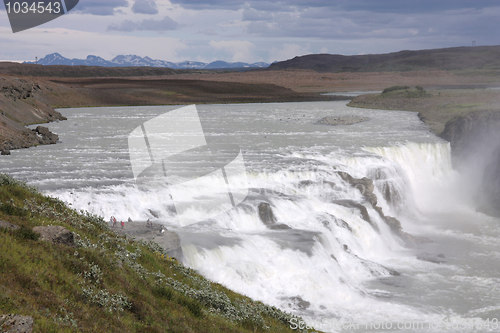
{"points": [[98, 281]]}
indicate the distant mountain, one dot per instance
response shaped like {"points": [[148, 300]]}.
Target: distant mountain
{"points": [[480, 57], [137, 61]]}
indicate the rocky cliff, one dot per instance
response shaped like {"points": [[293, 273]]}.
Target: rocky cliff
{"points": [[475, 143], [23, 102]]}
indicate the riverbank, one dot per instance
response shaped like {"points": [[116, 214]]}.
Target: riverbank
{"points": [[30, 93], [436, 106], [23, 101], [27, 100], [66, 271]]}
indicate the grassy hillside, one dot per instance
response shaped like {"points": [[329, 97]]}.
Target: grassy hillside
{"points": [[456, 58], [106, 282]]}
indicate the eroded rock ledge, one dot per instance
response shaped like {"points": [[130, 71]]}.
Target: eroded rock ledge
{"points": [[23, 102], [475, 144]]}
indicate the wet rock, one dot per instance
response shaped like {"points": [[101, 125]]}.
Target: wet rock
{"points": [[343, 224], [435, 259], [171, 243], [466, 132], [299, 303], [5, 152], [16, 324], [490, 193], [8, 226], [391, 194], [46, 136], [266, 214], [367, 188], [56, 235], [153, 213], [393, 223], [280, 226], [157, 233], [356, 205], [305, 183], [364, 185], [475, 146]]}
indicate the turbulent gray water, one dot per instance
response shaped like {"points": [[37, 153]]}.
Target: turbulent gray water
{"points": [[331, 266]]}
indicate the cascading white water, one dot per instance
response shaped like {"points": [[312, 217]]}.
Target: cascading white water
{"points": [[320, 265], [328, 241]]}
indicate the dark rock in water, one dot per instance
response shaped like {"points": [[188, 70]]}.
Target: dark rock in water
{"points": [[8, 226], [5, 152], [305, 183], [364, 185], [299, 303], [266, 214], [385, 184], [280, 226], [356, 205], [393, 223], [46, 136], [55, 235], [435, 259], [155, 214], [391, 194], [341, 120], [16, 324]]}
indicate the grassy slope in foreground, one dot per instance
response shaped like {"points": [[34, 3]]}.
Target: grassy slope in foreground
{"points": [[436, 106], [108, 283]]}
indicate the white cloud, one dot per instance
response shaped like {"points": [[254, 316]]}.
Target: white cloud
{"points": [[253, 30], [145, 7], [164, 24], [287, 51], [79, 44], [238, 50]]}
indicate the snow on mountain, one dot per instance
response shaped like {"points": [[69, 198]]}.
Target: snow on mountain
{"points": [[137, 61]]}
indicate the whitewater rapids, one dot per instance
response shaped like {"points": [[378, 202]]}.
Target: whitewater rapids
{"points": [[329, 255]]}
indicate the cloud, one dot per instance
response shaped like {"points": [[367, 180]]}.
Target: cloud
{"points": [[238, 50], [332, 24], [145, 7], [145, 25], [287, 51], [251, 14], [78, 44], [99, 7], [392, 6]]}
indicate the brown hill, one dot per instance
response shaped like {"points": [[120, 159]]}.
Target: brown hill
{"points": [[457, 58], [10, 68]]}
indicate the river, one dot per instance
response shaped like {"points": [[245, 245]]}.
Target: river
{"points": [[325, 253]]}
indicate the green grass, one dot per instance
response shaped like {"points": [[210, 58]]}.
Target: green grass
{"points": [[404, 91], [108, 283]]}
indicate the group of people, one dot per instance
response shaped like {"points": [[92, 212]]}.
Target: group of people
{"points": [[113, 221]]}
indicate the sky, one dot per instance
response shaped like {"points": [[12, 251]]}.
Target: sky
{"points": [[253, 30]]}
